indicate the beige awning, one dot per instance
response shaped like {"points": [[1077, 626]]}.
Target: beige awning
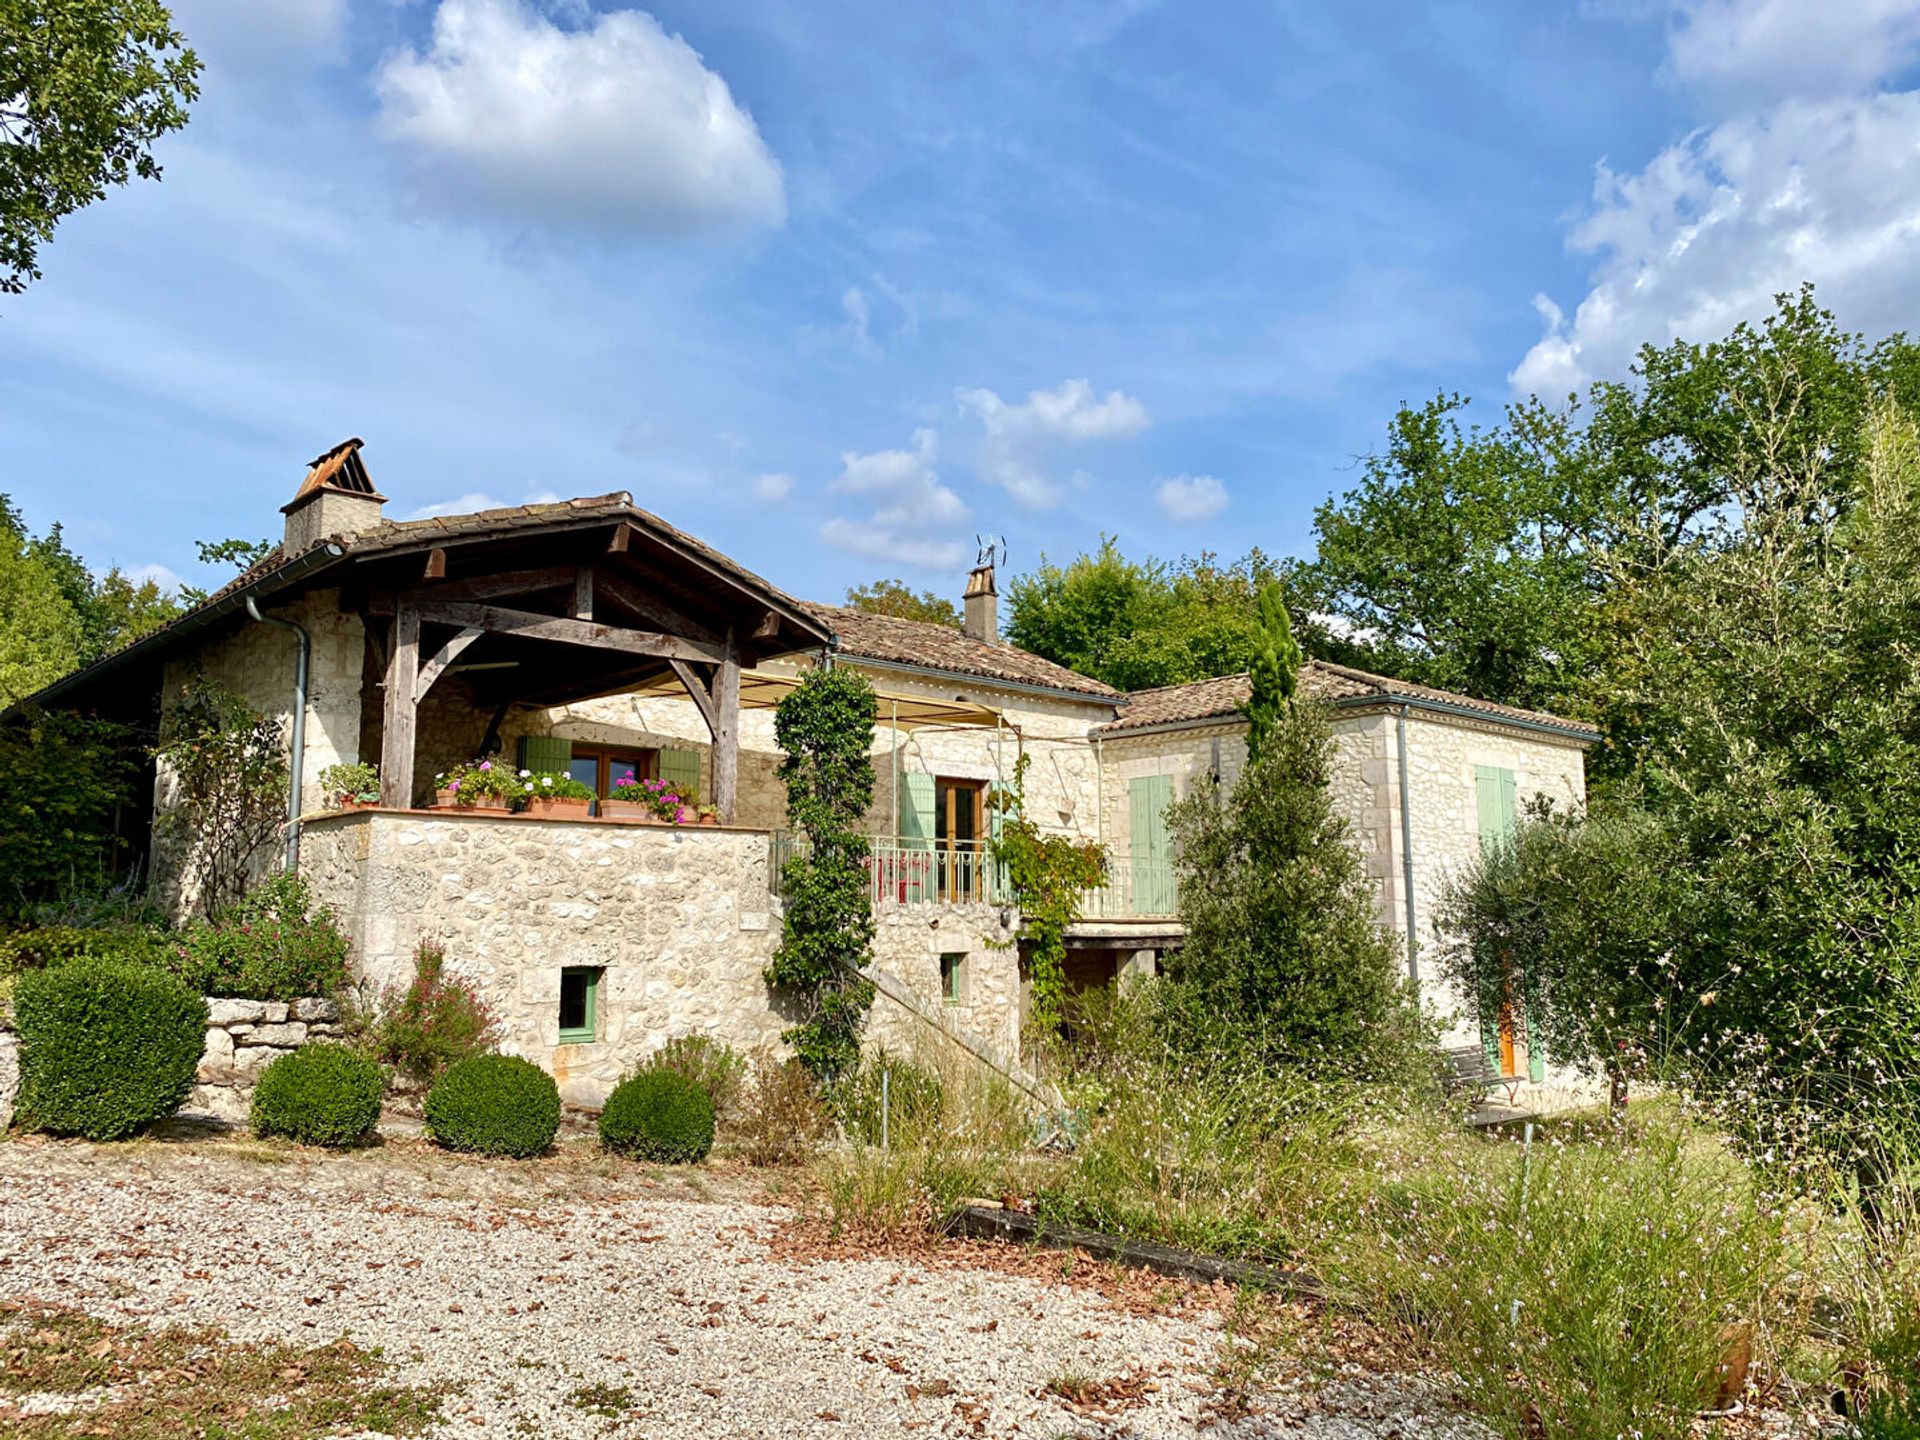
{"points": [[760, 690]]}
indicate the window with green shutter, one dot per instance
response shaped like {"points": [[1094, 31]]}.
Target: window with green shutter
{"points": [[546, 754], [681, 770], [1498, 812], [1150, 843], [579, 1005]]}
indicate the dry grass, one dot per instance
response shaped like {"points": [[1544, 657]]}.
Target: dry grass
{"points": [[73, 1375]]}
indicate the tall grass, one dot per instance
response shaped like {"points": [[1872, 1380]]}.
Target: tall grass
{"points": [[1605, 1285]]}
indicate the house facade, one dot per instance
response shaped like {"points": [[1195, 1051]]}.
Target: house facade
{"points": [[592, 638]]}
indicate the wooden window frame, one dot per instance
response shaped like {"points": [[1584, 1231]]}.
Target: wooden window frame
{"points": [[588, 1033], [645, 762], [953, 977]]}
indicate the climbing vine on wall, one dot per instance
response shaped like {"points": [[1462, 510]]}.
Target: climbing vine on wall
{"points": [[227, 769], [1046, 876], [825, 726]]}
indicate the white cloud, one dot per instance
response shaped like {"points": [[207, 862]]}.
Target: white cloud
{"points": [[859, 326], [1022, 439], [159, 574], [475, 500], [1070, 412], [240, 35], [772, 488], [1744, 50], [617, 125], [1191, 497], [912, 507], [1823, 188]]}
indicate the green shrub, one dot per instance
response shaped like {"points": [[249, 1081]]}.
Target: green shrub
{"points": [[913, 1099], [276, 944], [436, 1021], [318, 1095], [106, 1048], [720, 1069], [147, 947], [494, 1105], [658, 1114]]}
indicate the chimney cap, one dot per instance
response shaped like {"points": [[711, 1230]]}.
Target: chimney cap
{"points": [[340, 470]]}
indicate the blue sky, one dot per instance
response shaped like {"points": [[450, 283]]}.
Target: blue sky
{"points": [[837, 286]]}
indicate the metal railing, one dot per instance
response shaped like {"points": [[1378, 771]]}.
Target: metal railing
{"points": [[905, 870]]}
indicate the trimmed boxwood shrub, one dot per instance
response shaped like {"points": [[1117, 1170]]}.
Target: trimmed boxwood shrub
{"points": [[106, 1048], [494, 1105], [658, 1114], [318, 1095]]}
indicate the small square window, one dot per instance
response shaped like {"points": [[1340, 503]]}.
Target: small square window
{"points": [[953, 971], [579, 1005]]}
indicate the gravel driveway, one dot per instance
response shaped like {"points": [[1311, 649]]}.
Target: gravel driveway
{"points": [[529, 1287]]}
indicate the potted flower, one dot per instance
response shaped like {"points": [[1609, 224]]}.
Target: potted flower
{"points": [[654, 801], [553, 796], [348, 787], [477, 785], [709, 814]]}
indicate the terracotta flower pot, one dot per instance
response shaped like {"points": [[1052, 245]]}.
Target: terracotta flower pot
{"points": [[709, 819], [563, 807], [484, 805], [628, 810]]}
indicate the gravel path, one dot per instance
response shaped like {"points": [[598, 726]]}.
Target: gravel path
{"points": [[522, 1286]]}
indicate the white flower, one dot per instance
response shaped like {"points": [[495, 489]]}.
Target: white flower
{"points": [[546, 780], [525, 773]]}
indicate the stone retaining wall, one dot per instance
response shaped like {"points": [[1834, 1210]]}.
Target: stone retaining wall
{"points": [[243, 1038], [9, 1071]]}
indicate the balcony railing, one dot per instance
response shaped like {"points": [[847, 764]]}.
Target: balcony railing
{"points": [[910, 871]]}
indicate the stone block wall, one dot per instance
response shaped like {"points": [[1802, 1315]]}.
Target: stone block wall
{"points": [[9, 1071], [243, 1038], [679, 920]]}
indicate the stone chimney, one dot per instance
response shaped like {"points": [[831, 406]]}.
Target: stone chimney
{"points": [[336, 498], [982, 604]]}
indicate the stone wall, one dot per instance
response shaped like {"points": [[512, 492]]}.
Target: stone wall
{"points": [[9, 1071], [680, 920], [243, 1038]]}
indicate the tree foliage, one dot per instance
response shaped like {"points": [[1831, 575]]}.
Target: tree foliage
{"points": [[63, 780], [825, 727], [86, 88], [1274, 671], [1473, 558], [1750, 907], [1137, 624], [900, 600], [1283, 958]]}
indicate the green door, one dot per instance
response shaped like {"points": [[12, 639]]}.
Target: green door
{"points": [[1152, 847]]}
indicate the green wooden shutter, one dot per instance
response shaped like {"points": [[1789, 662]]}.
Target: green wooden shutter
{"points": [[1494, 797], [1147, 799], [916, 812], [681, 770], [545, 754]]}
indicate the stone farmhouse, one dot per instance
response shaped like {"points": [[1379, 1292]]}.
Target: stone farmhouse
{"points": [[592, 637]]}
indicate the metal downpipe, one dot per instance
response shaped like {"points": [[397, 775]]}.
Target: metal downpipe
{"points": [[302, 662], [1406, 852]]}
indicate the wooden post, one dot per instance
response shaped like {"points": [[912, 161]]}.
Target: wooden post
{"points": [[396, 730], [726, 731]]}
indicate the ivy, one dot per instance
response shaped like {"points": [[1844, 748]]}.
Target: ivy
{"points": [[825, 726], [228, 775], [1046, 875]]}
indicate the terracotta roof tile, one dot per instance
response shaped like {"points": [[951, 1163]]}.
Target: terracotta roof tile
{"points": [[1226, 697], [888, 638]]}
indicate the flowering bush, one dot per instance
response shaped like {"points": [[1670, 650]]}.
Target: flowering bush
{"points": [[278, 943], [359, 783], [479, 780], [551, 785], [434, 1022], [657, 795]]}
